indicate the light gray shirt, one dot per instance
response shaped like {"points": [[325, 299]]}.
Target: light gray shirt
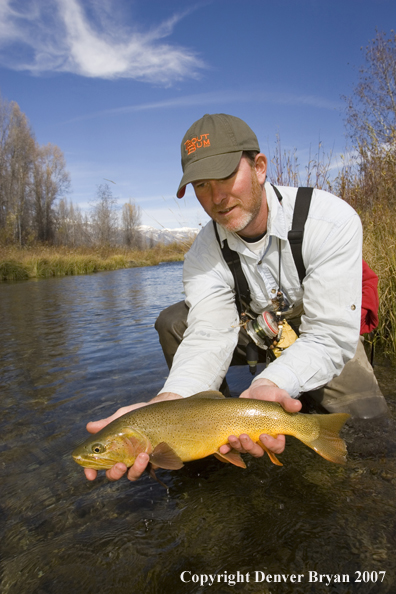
{"points": [[330, 297]]}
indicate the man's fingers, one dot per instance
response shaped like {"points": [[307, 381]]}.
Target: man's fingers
{"points": [[243, 444], [95, 426], [139, 467], [250, 447], [90, 474], [116, 472], [290, 404], [275, 444]]}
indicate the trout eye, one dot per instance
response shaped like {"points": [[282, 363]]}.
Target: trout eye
{"points": [[98, 448]]}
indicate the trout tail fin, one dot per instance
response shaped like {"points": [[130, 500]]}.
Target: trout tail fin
{"points": [[329, 444]]}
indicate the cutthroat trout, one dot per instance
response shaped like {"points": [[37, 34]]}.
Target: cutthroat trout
{"points": [[177, 431]]}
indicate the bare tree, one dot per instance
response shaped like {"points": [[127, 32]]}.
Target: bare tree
{"points": [[369, 179], [32, 178], [21, 161], [50, 181], [17, 149], [72, 228], [131, 219], [104, 218], [5, 117], [371, 110]]}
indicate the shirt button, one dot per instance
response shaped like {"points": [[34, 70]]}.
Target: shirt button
{"points": [[353, 307], [273, 290]]}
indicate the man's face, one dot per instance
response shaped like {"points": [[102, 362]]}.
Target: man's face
{"points": [[238, 202]]}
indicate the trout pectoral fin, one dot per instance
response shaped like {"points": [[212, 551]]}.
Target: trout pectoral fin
{"points": [[271, 455], [151, 472], [233, 457], [164, 456]]}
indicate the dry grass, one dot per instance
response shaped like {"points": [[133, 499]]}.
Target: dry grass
{"points": [[379, 251], [45, 261], [369, 185]]}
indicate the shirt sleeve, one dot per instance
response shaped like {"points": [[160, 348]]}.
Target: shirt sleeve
{"points": [[205, 353], [329, 330]]}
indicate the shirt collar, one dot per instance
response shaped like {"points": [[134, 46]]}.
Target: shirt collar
{"points": [[276, 223]]}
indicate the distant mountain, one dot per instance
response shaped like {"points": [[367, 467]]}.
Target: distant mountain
{"points": [[165, 236]]}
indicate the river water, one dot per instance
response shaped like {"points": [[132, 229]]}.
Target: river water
{"points": [[75, 349]]}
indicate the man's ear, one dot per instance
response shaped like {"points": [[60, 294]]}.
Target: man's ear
{"points": [[260, 164]]}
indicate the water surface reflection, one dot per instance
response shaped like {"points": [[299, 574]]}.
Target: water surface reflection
{"points": [[74, 350]]}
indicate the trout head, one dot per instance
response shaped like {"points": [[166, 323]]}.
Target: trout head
{"points": [[106, 448]]}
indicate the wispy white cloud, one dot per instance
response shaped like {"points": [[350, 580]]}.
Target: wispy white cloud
{"points": [[222, 98], [59, 36]]}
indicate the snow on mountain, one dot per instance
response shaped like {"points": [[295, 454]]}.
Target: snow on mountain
{"points": [[165, 236]]}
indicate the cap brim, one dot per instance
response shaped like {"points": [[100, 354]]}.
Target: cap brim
{"points": [[215, 167]]}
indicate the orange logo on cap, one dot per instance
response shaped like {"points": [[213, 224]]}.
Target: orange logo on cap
{"points": [[194, 143]]}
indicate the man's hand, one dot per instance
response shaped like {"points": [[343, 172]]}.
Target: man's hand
{"points": [[263, 389], [118, 470]]}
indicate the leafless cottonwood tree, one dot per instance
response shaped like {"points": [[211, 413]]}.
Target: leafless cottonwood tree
{"points": [[72, 227], [50, 181], [371, 110], [131, 219], [17, 149], [104, 219], [369, 179], [31, 179]]}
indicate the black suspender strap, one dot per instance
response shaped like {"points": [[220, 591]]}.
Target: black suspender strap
{"points": [[296, 233], [234, 263], [278, 194]]}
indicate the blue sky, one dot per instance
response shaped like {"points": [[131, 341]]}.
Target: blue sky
{"points": [[116, 83]]}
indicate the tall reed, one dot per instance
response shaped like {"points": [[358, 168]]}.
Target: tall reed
{"points": [[369, 184], [379, 251]]}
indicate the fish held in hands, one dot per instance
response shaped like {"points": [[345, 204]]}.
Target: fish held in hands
{"points": [[177, 431]]}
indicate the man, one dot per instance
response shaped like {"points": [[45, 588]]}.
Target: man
{"points": [[221, 158]]}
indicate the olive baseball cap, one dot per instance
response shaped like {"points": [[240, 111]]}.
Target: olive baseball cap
{"points": [[212, 148]]}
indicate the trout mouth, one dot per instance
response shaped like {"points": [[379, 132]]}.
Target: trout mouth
{"points": [[95, 463]]}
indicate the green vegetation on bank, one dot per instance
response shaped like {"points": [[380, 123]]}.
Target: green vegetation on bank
{"points": [[45, 261]]}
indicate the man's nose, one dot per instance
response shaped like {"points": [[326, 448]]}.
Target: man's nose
{"points": [[218, 193]]}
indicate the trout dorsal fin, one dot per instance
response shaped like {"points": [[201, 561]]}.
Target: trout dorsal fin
{"points": [[164, 456], [213, 394]]}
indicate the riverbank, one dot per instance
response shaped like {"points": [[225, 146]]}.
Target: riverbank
{"points": [[44, 261]]}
